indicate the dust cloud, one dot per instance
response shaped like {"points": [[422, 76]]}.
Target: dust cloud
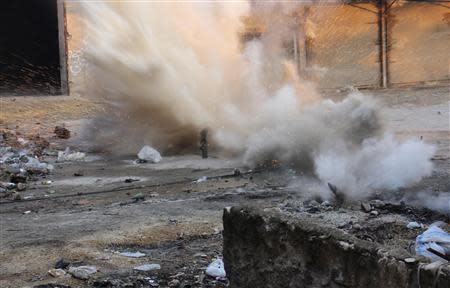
{"points": [[168, 70]]}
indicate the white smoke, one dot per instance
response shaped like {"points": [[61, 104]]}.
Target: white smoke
{"points": [[171, 69]]}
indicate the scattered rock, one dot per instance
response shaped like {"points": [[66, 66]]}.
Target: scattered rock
{"points": [[62, 264], [366, 207], [174, 283], [216, 269], [68, 155], [374, 213], [148, 154], [414, 225], [18, 178], [201, 179], [56, 272], [21, 187], [78, 174], [132, 254], [16, 196], [410, 260], [62, 132], [82, 272], [147, 267], [139, 197]]}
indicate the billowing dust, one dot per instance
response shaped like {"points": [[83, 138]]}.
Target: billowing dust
{"points": [[169, 70]]}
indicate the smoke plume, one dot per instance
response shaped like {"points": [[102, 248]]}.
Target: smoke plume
{"points": [[169, 70]]}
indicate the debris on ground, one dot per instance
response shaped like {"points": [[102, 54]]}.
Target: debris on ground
{"points": [[149, 154], [132, 254], [414, 225], [62, 132], [139, 197], [82, 272], [216, 269], [131, 180], [366, 207], [56, 272], [62, 264], [201, 179], [147, 267], [434, 243], [68, 155]]}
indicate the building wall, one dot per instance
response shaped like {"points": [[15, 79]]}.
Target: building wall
{"points": [[342, 46], [419, 42], [76, 62]]}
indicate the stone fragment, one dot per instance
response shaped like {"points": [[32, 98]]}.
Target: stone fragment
{"points": [[148, 154], [56, 272], [147, 267], [82, 272], [366, 207]]}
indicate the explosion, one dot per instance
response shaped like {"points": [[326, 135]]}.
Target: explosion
{"points": [[169, 70]]}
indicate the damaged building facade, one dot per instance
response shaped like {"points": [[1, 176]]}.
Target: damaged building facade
{"points": [[366, 44]]}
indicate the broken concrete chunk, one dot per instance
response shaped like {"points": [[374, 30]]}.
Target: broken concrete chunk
{"points": [[366, 207], [201, 179], [82, 272], [132, 254], [414, 225], [216, 269], [147, 267], [62, 264], [56, 272], [68, 155], [148, 154], [62, 132]]}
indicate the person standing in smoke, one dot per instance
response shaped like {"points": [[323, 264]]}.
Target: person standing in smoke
{"points": [[204, 143]]}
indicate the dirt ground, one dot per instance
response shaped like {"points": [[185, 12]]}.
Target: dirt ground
{"points": [[114, 205]]}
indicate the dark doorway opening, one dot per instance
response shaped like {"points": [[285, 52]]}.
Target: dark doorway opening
{"points": [[29, 48]]}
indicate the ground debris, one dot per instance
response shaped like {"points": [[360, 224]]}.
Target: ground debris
{"points": [[62, 132], [82, 272], [149, 154]]}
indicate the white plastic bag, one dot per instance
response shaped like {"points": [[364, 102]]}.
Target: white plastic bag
{"points": [[435, 238], [216, 269]]}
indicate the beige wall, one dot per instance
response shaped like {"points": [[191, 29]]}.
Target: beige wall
{"points": [[419, 42], [342, 46]]}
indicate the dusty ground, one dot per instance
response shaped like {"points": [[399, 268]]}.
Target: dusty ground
{"points": [[88, 219]]}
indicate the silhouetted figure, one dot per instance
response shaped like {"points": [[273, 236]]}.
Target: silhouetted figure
{"points": [[204, 143]]}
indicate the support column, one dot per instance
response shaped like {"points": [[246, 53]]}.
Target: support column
{"points": [[382, 26], [62, 47]]}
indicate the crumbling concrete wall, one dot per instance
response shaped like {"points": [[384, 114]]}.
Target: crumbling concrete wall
{"points": [[267, 249]]}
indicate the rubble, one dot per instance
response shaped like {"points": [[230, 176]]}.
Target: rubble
{"points": [[147, 267], [148, 154], [132, 254], [216, 269], [414, 225], [62, 132], [82, 272], [68, 155], [56, 272]]}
